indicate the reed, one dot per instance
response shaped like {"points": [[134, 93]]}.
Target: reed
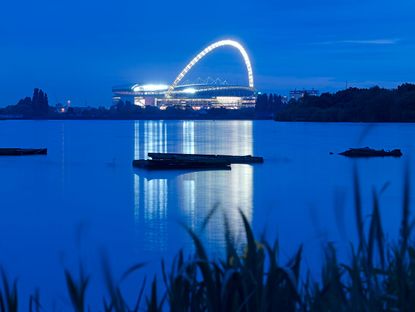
{"points": [[379, 276]]}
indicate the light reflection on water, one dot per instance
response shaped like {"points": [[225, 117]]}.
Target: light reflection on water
{"points": [[87, 178], [195, 193]]}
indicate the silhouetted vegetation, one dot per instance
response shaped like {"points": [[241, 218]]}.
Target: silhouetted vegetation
{"points": [[353, 104], [380, 275], [37, 105], [268, 105]]}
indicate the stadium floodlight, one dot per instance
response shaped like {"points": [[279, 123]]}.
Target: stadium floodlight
{"points": [[189, 90], [150, 87]]}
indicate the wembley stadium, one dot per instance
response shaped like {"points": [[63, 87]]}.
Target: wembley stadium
{"points": [[197, 95]]}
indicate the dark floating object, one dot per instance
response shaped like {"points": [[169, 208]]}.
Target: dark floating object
{"points": [[193, 161], [23, 151], [369, 152], [246, 159], [180, 164]]}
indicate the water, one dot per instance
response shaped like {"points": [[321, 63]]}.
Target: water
{"points": [[84, 198]]}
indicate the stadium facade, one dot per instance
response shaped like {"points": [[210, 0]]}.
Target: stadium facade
{"points": [[196, 96]]}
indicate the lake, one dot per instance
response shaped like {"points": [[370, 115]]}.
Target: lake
{"points": [[84, 198]]}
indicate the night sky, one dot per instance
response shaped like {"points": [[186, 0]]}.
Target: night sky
{"points": [[78, 50]]}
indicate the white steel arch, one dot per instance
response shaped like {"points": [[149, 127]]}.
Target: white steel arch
{"points": [[208, 49]]}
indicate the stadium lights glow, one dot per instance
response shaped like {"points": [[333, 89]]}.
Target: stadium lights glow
{"points": [[150, 87], [189, 90], [231, 43]]}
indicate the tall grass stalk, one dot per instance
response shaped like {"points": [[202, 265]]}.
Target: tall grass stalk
{"points": [[379, 276]]}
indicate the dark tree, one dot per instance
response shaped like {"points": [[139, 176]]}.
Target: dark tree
{"points": [[268, 105], [364, 105], [40, 102]]}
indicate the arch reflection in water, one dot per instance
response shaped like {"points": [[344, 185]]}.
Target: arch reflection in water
{"points": [[161, 198]]}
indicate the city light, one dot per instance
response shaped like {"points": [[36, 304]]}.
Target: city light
{"points": [[149, 87], [200, 95], [189, 90]]}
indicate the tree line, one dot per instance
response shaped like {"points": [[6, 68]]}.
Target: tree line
{"points": [[354, 105], [268, 105], [37, 105]]}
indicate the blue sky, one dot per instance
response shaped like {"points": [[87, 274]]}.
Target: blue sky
{"points": [[78, 49]]}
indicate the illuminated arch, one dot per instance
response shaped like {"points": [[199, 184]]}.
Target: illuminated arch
{"points": [[210, 48]]}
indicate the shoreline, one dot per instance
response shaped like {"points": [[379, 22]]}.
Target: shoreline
{"points": [[210, 118], [132, 118]]}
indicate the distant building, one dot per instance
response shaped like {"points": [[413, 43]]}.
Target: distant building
{"points": [[298, 94], [197, 96]]}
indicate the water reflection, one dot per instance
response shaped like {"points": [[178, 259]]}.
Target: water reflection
{"points": [[161, 197]]}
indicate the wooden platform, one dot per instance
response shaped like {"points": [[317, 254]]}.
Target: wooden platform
{"points": [[179, 164], [10, 151], [246, 159]]}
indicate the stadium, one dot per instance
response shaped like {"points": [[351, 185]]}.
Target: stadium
{"points": [[201, 95]]}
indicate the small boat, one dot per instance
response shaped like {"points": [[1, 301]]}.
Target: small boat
{"points": [[179, 164], [245, 159], [369, 152], [22, 151]]}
